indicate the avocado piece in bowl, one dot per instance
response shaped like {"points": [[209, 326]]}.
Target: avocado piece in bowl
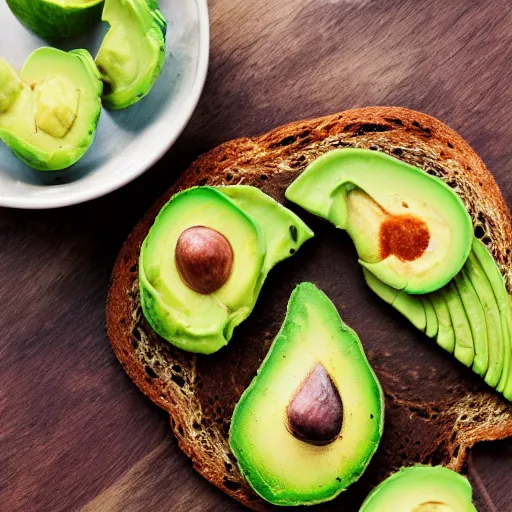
{"points": [[421, 489], [309, 423], [55, 19], [409, 228], [132, 55], [50, 111], [205, 259]]}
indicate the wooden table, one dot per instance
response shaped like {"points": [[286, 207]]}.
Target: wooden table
{"points": [[74, 432]]}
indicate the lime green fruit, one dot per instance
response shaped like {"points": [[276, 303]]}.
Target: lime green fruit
{"points": [[309, 423], [132, 55], [50, 111], [421, 489], [55, 19]]}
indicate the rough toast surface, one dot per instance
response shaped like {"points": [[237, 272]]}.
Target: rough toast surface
{"points": [[436, 408]]}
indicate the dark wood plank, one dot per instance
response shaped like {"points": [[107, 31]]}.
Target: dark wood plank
{"points": [[74, 431]]}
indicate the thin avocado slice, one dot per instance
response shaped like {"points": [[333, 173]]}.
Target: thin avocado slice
{"points": [[410, 306], [476, 317], [55, 19], [495, 335], [464, 347], [205, 259], [49, 113], [421, 489], [288, 455], [445, 334], [503, 300], [432, 323], [132, 55], [410, 229]]}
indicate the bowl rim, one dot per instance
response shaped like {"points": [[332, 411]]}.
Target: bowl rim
{"points": [[106, 187]]}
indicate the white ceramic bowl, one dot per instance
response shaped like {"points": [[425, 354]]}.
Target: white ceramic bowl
{"points": [[129, 141]]}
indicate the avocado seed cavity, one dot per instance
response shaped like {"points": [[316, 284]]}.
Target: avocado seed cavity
{"points": [[433, 506], [315, 414], [204, 259], [56, 105], [405, 236]]}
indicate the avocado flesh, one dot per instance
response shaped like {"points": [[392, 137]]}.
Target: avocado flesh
{"points": [[410, 306], [132, 55], [55, 19], [51, 119], [421, 489], [432, 327], [357, 190], [503, 301], [281, 468], [205, 323], [476, 316], [445, 334]]}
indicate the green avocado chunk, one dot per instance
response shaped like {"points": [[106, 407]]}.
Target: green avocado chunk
{"points": [[312, 418], [432, 328], [503, 301], [409, 228], [54, 19], [421, 489], [132, 55], [445, 333], [257, 230], [49, 113]]}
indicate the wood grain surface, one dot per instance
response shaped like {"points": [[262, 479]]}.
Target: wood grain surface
{"points": [[75, 434]]}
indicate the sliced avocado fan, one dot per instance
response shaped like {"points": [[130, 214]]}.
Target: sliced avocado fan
{"points": [[309, 423], [132, 55], [204, 261], [470, 317], [50, 111], [421, 489], [55, 19], [409, 228]]}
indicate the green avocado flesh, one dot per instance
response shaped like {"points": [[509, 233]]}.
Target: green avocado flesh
{"points": [[132, 55], [470, 317], [49, 113], [421, 489], [409, 228], [281, 468], [261, 233], [55, 19]]}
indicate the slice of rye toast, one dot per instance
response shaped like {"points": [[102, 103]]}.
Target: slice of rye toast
{"points": [[436, 409]]}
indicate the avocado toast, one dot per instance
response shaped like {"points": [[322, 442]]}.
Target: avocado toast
{"points": [[436, 409]]}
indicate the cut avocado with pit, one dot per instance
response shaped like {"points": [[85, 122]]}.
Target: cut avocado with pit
{"points": [[50, 111], [421, 489], [310, 421], [55, 19], [409, 228], [205, 259], [132, 55]]}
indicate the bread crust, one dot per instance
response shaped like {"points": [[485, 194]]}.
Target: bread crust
{"points": [[175, 380]]}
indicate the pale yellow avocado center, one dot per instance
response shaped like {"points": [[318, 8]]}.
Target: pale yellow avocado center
{"points": [[56, 103], [10, 86], [409, 233], [433, 506]]}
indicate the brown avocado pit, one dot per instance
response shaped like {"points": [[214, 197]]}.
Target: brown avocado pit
{"points": [[204, 259], [315, 414]]}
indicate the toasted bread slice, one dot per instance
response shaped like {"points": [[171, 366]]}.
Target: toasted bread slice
{"points": [[436, 408]]}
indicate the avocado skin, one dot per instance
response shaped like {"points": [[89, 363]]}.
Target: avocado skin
{"points": [[51, 21], [418, 485], [264, 402]]}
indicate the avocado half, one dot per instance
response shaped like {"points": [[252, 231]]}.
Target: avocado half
{"points": [[55, 19], [310, 421], [409, 228], [470, 317], [50, 111], [132, 55], [421, 489], [205, 259]]}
